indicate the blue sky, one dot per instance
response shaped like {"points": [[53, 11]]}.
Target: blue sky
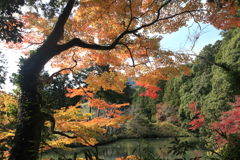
{"points": [[177, 40]]}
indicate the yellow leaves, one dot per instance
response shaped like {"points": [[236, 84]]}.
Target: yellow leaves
{"points": [[8, 105], [69, 114], [78, 92], [107, 81], [74, 123], [9, 133], [130, 157], [101, 104]]}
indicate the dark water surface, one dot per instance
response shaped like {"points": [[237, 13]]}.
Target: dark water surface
{"points": [[124, 147]]}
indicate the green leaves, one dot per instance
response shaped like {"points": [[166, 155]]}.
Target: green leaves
{"points": [[181, 148]]}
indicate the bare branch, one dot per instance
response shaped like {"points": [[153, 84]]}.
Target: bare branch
{"points": [[55, 74], [31, 43], [211, 62], [81, 86], [130, 54]]}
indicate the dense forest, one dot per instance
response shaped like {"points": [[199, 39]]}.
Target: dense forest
{"points": [[209, 95], [114, 81]]}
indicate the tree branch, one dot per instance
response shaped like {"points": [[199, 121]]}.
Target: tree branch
{"points": [[213, 63], [130, 54], [216, 64], [58, 30], [50, 118], [78, 42], [55, 74]]}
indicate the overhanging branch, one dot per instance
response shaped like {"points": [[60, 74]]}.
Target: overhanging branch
{"points": [[78, 42], [213, 63]]}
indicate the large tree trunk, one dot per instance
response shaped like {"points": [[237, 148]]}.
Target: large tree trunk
{"points": [[28, 134], [30, 119]]}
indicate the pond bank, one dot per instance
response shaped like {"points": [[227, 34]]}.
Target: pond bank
{"points": [[124, 147], [113, 139]]}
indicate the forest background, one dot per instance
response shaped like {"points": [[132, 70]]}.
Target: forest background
{"points": [[210, 82]]}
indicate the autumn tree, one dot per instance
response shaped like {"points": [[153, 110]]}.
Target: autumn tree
{"points": [[225, 131], [147, 97], [123, 34]]}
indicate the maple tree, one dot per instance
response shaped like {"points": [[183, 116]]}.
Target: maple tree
{"points": [[225, 128], [151, 90], [124, 34], [228, 123], [228, 18], [199, 121]]}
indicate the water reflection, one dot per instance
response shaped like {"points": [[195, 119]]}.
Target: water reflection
{"points": [[125, 147]]}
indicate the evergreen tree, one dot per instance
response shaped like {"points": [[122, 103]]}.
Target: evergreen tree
{"points": [[147, 106], [198, 85], [225, 82]]}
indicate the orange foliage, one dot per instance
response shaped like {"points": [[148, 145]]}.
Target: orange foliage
{"points": [[101, 22], [101, 104], [114, 81], [222, 14], [76, 124]]}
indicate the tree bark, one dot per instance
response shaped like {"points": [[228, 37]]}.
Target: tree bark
{"points": [[30, 119]]}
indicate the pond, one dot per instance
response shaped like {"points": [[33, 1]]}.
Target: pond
{"points": [[124, 147]]}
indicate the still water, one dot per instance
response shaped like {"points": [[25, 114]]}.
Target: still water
{"points": [[124, 147]]}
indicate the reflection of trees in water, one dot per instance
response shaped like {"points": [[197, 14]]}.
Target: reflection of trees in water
{"points": [[125, 147], [108, 152], [160, 147], [116, 148], [163, 152]]}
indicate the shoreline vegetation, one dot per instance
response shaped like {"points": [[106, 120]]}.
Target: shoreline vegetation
{"points": [[131, 148], [158, 130]]}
